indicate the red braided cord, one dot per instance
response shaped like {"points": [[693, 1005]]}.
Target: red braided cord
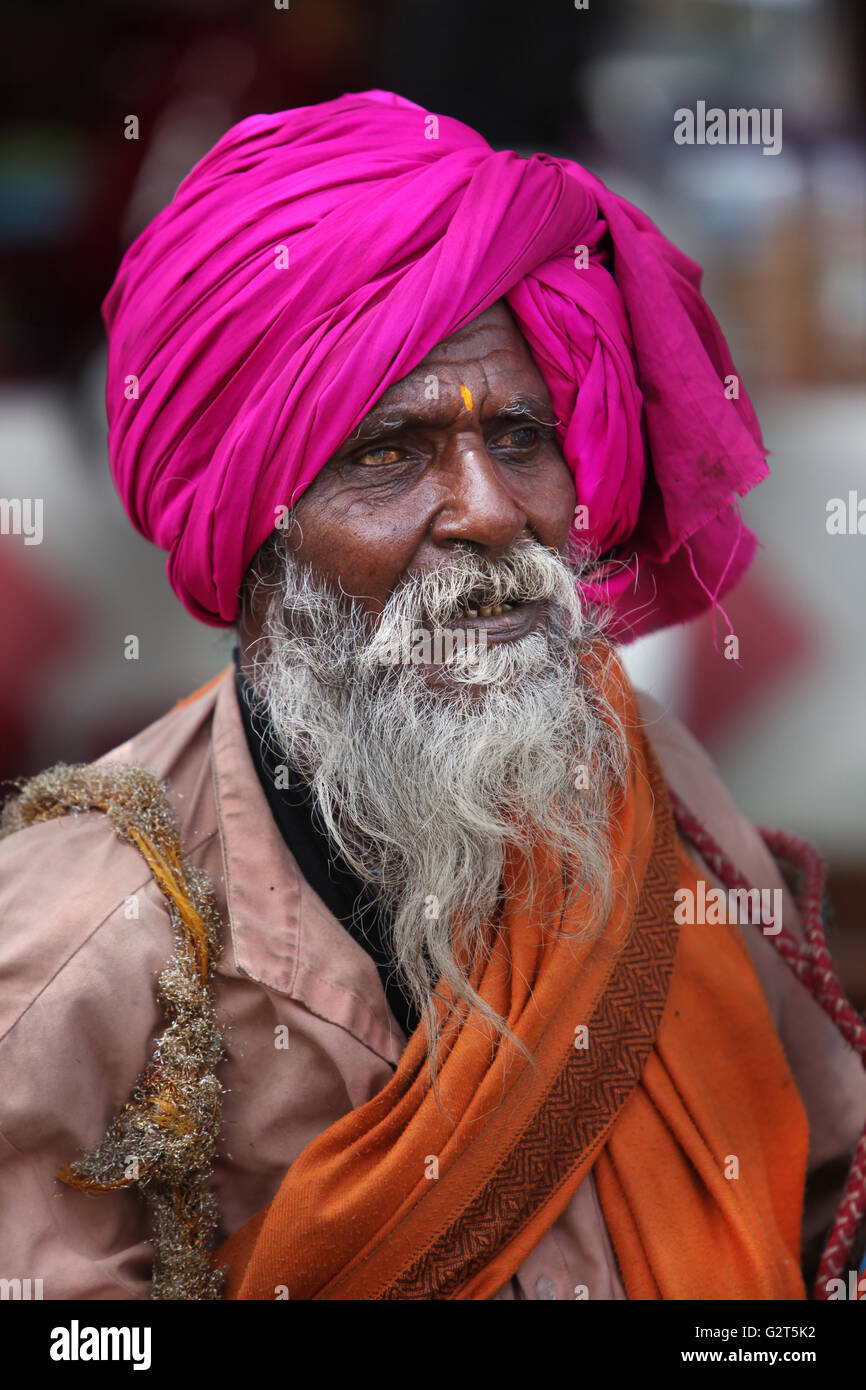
{"points": [[810, 960]]}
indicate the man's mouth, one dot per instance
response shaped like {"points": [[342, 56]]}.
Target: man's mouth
{"points": [[504, 622]]}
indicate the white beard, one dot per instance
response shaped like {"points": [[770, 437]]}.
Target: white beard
{"points": [[423, 786]]}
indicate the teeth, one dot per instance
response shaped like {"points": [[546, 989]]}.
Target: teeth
{"points": [[487, 610]]}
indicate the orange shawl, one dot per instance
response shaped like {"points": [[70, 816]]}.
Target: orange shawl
{"points": [[657, 1064]]}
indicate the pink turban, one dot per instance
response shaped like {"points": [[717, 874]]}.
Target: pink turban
{"points": [[315, 256]]}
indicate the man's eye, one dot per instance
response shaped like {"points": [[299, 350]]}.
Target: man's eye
{"points": [[373, 458], [522, 438]]}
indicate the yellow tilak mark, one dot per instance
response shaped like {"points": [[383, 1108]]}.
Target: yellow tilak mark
{"points": [[467, 396]]}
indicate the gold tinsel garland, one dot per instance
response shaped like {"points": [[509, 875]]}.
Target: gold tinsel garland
{"points": [[164, 1140]]}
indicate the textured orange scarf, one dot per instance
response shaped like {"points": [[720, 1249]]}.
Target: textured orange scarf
{"points": [[657, 1064]]}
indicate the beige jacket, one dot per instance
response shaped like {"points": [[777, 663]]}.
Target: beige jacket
{"points": [[79, 1015]]}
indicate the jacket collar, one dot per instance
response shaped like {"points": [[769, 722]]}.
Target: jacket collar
{"points": [[282, 934]]}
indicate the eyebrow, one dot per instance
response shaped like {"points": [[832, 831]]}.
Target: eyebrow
{"points": [[524, 406]]}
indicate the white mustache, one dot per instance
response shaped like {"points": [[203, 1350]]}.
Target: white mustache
{"points": [[527, 573], [437, 599]]}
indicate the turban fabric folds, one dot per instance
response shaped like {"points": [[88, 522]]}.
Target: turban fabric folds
{"points": [[315, 256]]}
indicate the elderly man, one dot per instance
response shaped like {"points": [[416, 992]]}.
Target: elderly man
{"points": [[361, 973]]}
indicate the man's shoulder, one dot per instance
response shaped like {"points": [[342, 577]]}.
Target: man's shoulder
{"points": [[690, 771], [685, 763], [177, 736], [65, 880], [674, 745]]}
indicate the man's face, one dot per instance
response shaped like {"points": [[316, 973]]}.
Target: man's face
{"points": [[461, 451]]}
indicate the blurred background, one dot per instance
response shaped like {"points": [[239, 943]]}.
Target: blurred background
{"points": [[782, 239]]}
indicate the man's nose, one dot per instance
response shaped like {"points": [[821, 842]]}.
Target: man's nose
{"points": [[480, 506]]}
